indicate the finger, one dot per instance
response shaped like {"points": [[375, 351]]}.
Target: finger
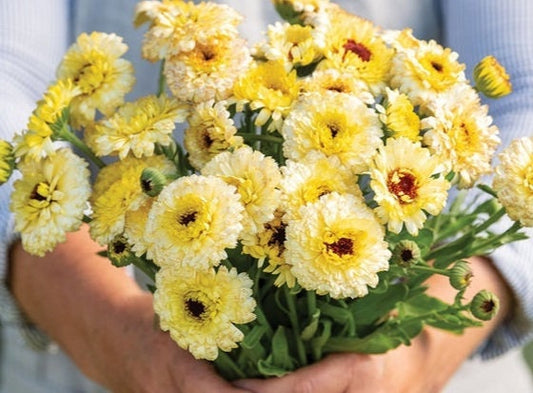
{"points": [[331, 375]]}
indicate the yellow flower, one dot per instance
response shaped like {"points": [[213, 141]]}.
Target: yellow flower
{"points": [[337, 125], [95, 66], [513, 180], [193, 221], [208, 71], [199, 308], [136, 127], [461, 133], [7, 161], [406, 189], [177, 26], [400, 116], [256, 178], [426, 70], [49, 200], [294, 45], [37, 140], [491, 78], [117, 189], [268, 87], [354, 45], [337, 247], [135, 228], [211, 131], [306, 181]]}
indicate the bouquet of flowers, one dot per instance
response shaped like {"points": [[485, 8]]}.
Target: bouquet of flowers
{"points": [[307, 205]]}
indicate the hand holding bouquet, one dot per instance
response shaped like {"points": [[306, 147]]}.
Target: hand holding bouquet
{"points": [[307, 208]]}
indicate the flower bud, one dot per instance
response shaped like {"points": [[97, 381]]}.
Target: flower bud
{"points": [[152, 181], [461, 275], [484, 305], [119, 252], [406, 253], [7, 161], [491, 78]]}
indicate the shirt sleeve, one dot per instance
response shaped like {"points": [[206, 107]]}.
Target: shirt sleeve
{"points": [[33, 38], [475, 29]]}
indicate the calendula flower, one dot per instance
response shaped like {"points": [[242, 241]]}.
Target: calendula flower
{"points": [[95, 66], [193, 221], [208, 71], [354, 45], [117, 189], [307, 180], [399, 116], [491, 78], [461, 275], [7, 161], [135, 228], [425, 71], [119, 252], [461, 133], [178, 26], [269, 244], [337, 247], [406, 189], [137, 126], [406, 253], [37, 140], [199, 308], [401, 39], [256, 178], [294, 45], [49, 200], [335, 81], [484, 305], [211, 131], [269, 88], [337, 125], [513, 180]]}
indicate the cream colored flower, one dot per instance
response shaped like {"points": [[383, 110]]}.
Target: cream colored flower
{"points": [[193, 221], [49, 200], [95, 66], [337, 247], [7, 161], [513, 180], [211, 131], [400, 117], [136, 127], [117, 190], [256, 178], [306, 181], [406, 189], [208, 71], [337, 125], [200, 308], [135, 228], [461, 132]]}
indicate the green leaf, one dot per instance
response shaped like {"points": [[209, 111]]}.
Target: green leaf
{"points": [[420, 305], [317, 343], [280, 350], [309, 331], [267, 369], [253, 337]]}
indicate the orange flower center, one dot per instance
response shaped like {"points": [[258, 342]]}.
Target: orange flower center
{"points": [[403, 184]]}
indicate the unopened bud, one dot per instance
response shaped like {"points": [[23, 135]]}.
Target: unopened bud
{"points": [[406, 253], [119, 252], [7, 161], [461, 275], [484, 305], [152, 181], [491, 78]]}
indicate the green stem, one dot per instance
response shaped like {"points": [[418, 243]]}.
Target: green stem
{"points": [[161, 80], [429, 269], [226, 362], [146, 267], [86, 219], [293, 316], [311, 303], [263, 138], [67, 135]]}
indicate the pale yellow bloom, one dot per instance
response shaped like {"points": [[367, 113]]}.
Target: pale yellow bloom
{"points": [[95, 66], [337, 247], [208, 71], [307, 180], [135, 228], [256, 178], [400, 117], [406, 189], [513, 180], [491, 78], [117, 190], [7, 161], [211, 131], [337, 125], [137, 127], [269, 88], [49, 200], [178, 26], [200, 308], [193, 221]]}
